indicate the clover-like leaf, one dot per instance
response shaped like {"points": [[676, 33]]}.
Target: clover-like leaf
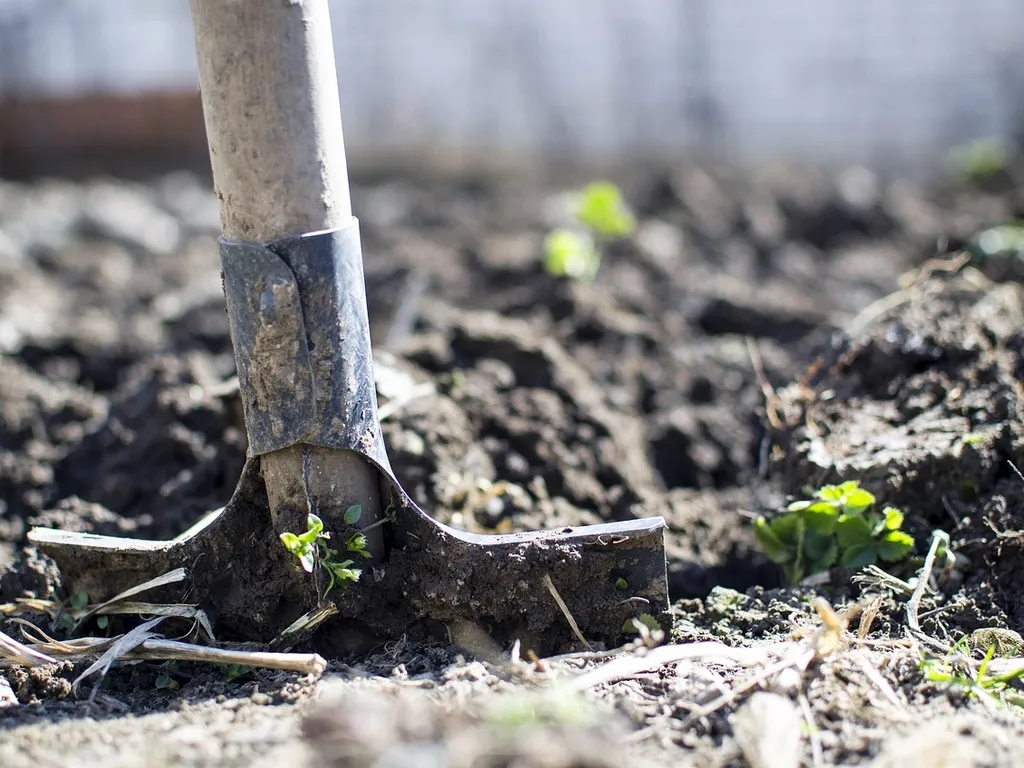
{"points": [[893, 518], [852, 531], [857, 500], [821, 516], [859, 556], [894, 546], [821, 552], [830, 493]]}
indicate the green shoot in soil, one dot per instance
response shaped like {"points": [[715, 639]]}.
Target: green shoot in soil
{"points": [[311, 549], [837, 526], [599, 214], [1004, 240], [980, 160], [955, 673], [632, 626]]}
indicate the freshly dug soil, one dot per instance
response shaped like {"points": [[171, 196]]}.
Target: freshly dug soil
{"points": [[518, 401]]}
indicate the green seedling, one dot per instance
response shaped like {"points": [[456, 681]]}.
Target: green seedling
{"points": [[76, 604], [632, 626], [1003, 240], [980, 160], [165, 679], [312, 550], [165, 682], [953, 671], [837, 526], [599, 214], [234, 672]]}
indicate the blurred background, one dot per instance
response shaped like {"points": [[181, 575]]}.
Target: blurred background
{"points": [[784, 163], [91, 85]]}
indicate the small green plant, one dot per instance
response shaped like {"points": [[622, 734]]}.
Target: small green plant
{"points": [[632, 626], [1003, 240], [836, 526], [234, 672], [954, 670], [599, 214], [312, 550], [980, 160], [165, 679]]}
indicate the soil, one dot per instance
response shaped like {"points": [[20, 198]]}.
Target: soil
{"points": [[522, 401]]}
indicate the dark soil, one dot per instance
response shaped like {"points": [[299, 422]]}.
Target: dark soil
{"points": [[540, 402]]}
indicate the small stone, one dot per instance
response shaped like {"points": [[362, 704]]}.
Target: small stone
{"points": [[7, 697], [768, 731], [1006, 642]]}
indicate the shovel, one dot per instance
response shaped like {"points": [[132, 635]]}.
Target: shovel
{"points": [[317, 465]]}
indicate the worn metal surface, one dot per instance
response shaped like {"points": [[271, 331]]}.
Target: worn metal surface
{"points": [[301, 336], [431, 579]]}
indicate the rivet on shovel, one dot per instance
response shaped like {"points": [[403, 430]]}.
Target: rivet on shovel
{"points": [[293, 281]]}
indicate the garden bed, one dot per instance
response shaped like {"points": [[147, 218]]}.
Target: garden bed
{"points": [[518, 401]]}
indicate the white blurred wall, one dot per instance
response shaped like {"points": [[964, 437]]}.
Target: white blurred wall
{"points": [[883, 82]]}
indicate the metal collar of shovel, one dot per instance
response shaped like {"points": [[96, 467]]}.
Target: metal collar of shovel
{"points": [[299, 326]]}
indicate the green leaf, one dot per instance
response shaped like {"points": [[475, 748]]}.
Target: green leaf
{"points": [[570, 254], [234, 671], [821, 517], [632, 625], [621, 584], [353, 513], [102, 622], [893, 518], [851, 531], [291, 542], [165, 681], [799, 506], [830, 493], [894, 546], [602, 209], [817, 545], [857, 500], [307, 559], [821, 554], [79, 601], [788, 528], [314, 528], [772, 545], [858, 556]]}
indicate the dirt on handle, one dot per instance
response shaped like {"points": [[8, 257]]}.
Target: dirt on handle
{"points": [[521, 402]]}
